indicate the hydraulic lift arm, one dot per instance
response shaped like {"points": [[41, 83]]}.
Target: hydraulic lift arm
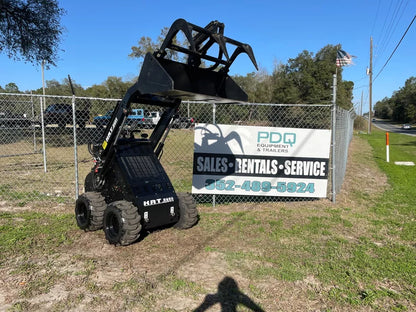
{"points": [[163, 82]]}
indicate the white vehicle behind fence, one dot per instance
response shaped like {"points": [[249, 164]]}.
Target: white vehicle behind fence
{"points": [[154, 117], [151, 119]]}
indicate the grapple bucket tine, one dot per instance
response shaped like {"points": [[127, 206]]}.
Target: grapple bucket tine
{"points": [[249, 51], [245, 48], [213, 27], [179, 24], [221, 42]]}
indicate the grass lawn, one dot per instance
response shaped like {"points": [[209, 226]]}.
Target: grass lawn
{"points": [[356, 255]]}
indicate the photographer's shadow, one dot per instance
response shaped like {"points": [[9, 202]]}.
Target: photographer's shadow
{"points": [[229, 297]]}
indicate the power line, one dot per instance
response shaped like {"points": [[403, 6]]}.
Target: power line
{"points": [[360, 87], [384, 32], [390, 29], [375, 19], [408, 27]]}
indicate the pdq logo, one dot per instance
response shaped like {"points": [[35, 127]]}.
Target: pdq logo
{"points": [[276, 137]]}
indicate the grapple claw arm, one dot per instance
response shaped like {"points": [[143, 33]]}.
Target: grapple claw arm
{"points": [[200, 41]]}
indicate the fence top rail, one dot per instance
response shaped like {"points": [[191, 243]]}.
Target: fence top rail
{"points": [[58, 96], [261, 104], [185, 102], [351, 111]]}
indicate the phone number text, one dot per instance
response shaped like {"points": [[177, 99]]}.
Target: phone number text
{"points": [[258, 186]]}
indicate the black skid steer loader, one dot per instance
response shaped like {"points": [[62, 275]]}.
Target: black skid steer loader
{"points": [[128, 190]]}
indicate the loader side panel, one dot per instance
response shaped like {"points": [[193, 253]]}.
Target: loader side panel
{"points": [[149, 186]]}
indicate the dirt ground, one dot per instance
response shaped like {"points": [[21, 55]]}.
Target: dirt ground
{"points": [[171, 270]]}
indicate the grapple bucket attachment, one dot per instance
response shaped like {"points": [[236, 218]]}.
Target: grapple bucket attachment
{"points": [[193, 79]]}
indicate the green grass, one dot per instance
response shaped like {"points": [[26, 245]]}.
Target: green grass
{"points": [[360, 254], [180, 284], [21, 233], [393, 257], [357, 270], [22, 198], [401, 178]]}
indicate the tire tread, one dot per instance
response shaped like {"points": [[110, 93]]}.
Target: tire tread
{"points": [[188, 211]]}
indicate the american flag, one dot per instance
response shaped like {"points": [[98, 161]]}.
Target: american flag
{"points": [[343, 58]]}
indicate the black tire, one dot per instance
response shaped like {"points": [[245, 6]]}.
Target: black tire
{"points": [[122, 223], [89, 211], [89, 182], [188, 214]]}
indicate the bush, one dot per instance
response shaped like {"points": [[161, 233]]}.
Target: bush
{"points": [[360, 124]]}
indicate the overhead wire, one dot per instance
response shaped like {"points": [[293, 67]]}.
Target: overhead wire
{"points": [[398, 44], [390, 30], [376, 16], [361, 87], [395, 13], [394, 22], [383, 28]]}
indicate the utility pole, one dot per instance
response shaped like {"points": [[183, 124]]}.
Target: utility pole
{"points": [[361, 106], [370, 85]]}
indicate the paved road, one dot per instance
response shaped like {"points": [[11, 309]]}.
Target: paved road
{"points": [[389, 127]]}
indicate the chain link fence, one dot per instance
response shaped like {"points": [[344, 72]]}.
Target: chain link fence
{"points": [[44, 155], [344, 126]]}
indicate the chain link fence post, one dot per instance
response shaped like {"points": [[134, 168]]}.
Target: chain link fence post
{"points": [[214, 110], [42, 124], [74, 127], [333, 144]]}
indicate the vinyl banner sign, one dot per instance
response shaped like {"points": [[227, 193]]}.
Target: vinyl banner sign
{"points": [[260, 161]]}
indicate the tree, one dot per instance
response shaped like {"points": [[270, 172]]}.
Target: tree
{"points": [[308, 79], [284, 89], [257, 85], [30, 30], [383, 109], [113, 87], [54, 87], [98, 91], [116, 87], [11, 87], [146, 44], [401, 106]]}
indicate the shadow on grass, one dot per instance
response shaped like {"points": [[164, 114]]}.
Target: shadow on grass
{"points": [[229, 296]]}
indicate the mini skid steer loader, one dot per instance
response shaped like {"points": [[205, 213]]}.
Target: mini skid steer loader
{"points": [[128, 190]]}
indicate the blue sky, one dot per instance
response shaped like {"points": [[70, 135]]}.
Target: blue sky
{"points": [[99, 35]]}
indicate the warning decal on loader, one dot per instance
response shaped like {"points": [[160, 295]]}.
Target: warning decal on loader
{"points": [[104, 145]]}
